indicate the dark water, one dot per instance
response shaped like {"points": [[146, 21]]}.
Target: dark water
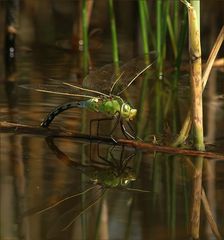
{"points": [[38, 171], [34, 176]]}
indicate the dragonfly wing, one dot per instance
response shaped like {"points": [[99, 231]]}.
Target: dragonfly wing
{"points": [[130, 71], [100, 79], [59, 88], [67, 218], [106, 80]]}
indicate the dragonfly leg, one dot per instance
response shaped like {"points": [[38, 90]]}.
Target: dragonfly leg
{"points": [[97, 132], [114, 127], [98, 124], [107, 162], [133, 130], [125, 132]]}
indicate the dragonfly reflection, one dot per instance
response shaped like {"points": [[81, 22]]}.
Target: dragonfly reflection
{"points": [[104, 175]]}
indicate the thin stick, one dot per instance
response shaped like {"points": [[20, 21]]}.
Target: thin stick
{"points": [[212, 57], [7, 127]]}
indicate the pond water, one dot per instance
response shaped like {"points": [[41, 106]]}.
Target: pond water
{"points": [[58, 188], [38, 171]]}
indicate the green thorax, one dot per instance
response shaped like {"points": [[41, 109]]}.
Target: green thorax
{"points": [[112, 106], [110, 178]]}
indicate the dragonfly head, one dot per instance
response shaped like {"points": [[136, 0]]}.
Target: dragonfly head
{"points": [[127, 177], [127, 112]]}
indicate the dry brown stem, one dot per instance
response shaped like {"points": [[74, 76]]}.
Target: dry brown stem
{"points": [[15, 128]]}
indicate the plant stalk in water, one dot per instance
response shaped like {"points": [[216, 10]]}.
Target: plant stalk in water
{"points": [[113, 32], [143, 20], [183, 135], [143, 23], [85, 34], [196, 74], [197, 111]]}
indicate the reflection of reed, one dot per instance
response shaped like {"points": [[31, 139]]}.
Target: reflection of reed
{"points": [[198, 196], [12, 188]]}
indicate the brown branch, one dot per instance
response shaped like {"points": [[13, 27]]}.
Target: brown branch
{"points": [[171, 150], [16, 128], [7, 127]]}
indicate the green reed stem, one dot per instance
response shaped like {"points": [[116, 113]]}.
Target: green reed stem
{"points": [[162, 12], [85, 35], [172, 36], [176, 18], [159, 34], [196, 6], [165, 13], [144, 33], [113, 32], [182, 39], [161, 27], [149, 25], [143, 22]]}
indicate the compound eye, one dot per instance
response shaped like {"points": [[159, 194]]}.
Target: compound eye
{"points": [[124, 182], [126, 108]]}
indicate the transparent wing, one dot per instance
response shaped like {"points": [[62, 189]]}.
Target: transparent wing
{"points": [[61, 199], [111, 79], [130, 71], [62, 88], [67, 218], [100, 79]]}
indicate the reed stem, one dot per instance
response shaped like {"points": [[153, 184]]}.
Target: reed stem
{"points": [[113, 32], [188, 120], [144, 86], [158, 34], [196, 74], [143, 23], [85, 35], [176, 19]]}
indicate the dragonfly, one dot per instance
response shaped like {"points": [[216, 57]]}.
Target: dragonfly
{"points": [[100, 92], [103, 176]]}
